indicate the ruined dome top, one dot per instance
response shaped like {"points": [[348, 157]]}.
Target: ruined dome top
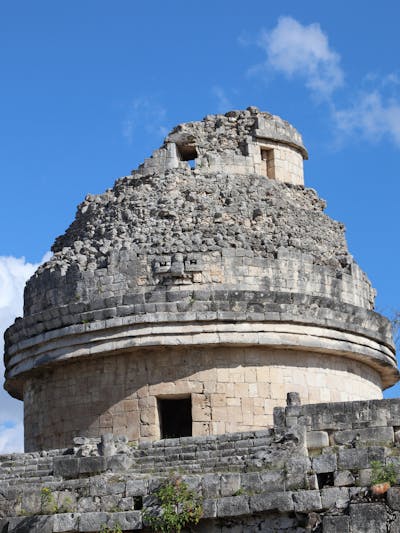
{"points": [[232, 131], [216, 227]]}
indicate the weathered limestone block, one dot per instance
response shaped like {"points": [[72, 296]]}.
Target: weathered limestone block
{"points": [[211, 486], [67, 466], [65, 522], [350, 459], [381, 436], [317, 439], [107, 445], [368, 518], [326, 462], [306, 501], [233, 506], [393, 498], [335, 497], [270, 501], [336, 524], [344, 478], [230, 483], [89, 522]]}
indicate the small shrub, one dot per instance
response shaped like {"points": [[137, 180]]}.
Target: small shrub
{"points": [[179, 507], [382, 473], [66, 506], [48, 504]]}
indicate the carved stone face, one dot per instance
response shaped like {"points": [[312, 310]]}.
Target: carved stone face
{"points": [[176, 269]]}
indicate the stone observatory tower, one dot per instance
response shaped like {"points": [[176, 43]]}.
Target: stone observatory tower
{"points": [[191, 297]]}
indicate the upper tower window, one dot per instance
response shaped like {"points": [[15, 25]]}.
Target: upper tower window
{"points": [[187, 152], [268, 157]]}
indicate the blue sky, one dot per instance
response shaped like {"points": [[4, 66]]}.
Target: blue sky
{"points": [[89, 89]]}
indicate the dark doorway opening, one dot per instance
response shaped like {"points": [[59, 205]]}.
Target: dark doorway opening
{"points": [[175, 417], [188, 152]]}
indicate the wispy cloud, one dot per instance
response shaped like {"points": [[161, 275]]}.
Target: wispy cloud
{"points": [[12, 438], [303, 52], [223, 102], [372, 117], [147, 114], [14, 273]]}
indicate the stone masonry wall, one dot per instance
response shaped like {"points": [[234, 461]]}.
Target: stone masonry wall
{"points": [[128, 253], [119, 236], [235, 240], [311, 472], [233, 143], [231, 389]]}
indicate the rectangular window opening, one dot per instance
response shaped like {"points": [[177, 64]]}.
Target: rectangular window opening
{"points": [[268, 157], [137, 503], [175, 417], [188, 152], [325, 480]]}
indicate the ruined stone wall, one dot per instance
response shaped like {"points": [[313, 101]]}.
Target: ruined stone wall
{"points": [[235, 143], [235, 222], [231, 389], [311, 472]]}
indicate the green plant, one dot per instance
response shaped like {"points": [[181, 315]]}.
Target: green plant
{"points": [[105, 529], [382, 473], [116, 509], [179, 507], [66, 506], [48, 504]]}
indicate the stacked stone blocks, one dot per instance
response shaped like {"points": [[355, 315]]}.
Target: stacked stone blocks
{"points": [[312, 468]]}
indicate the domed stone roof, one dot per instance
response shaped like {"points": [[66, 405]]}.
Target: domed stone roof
{"points": [[215, 228], [135, 233]]}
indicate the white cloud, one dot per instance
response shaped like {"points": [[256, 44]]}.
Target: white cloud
{"points": [[14, 273], [146, 114], [372, 117], [12, 438], [223, 101], [302, 51]]}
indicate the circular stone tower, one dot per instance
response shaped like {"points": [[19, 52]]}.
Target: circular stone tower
{"points": [[194, 294]]}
